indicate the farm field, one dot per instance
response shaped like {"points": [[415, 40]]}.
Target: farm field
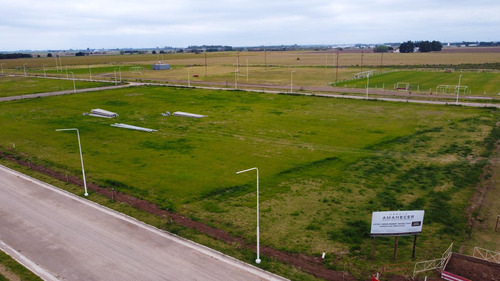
{"points": [[325, 164], [297, 69], [284, 58], [14, 86]]}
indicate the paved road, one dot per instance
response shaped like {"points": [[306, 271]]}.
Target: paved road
{"points": [[61, 236]]}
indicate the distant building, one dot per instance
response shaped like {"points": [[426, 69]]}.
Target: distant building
{"points": [[161, 66]]}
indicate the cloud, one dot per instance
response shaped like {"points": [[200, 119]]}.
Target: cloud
{"points": [[120, 23]]}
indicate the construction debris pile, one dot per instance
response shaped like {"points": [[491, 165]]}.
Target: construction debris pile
{"points": [[102, 113], [185, 114], [108, 114], [131, 127]]}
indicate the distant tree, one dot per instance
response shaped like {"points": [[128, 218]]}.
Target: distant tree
{"points": [[153, 52], [15, 56], [49, 55], [162, 52], [407, 47], [424, 46], [381, 49], [80, 54], [436, 46]]}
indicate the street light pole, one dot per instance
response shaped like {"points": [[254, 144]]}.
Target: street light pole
{"points": [[235, 79], [114, 70], [258, 248], [1, 65], [24, 68], [458, 89], [120, 70], [189, 81], [291, 81], [367, 84], [74, 85], [81, 157], [90, 73], [44, 76]]}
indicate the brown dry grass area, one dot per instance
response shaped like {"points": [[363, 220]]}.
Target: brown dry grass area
{"points": [[351, 57]]}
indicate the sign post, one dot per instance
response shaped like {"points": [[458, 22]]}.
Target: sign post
{"points": [[397, 223]]}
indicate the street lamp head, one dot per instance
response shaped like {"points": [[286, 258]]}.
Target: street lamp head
{"points": [[254, 168], [257, 261]]}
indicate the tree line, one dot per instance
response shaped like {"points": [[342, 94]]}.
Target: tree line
{"points": [[14, 56], [423, 46]]}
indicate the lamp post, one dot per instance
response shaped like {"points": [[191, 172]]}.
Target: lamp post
{"points": [[120, 70], [44, 75], [189, 75], [74, 85], [367, 84], [458, 89], [67, 75], [24, 68], [1, 65], [114, 70], [291, 81], [81, 158], [258, 250], [90, 73]]}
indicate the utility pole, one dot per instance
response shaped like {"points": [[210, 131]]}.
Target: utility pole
{"points": [[362, 54], [206, 71], [265, 58], [337, 72], [238, 63]]}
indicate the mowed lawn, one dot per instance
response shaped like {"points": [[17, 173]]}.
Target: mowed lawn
{"points": [[15, 86], [325, 164], [478, 83]]}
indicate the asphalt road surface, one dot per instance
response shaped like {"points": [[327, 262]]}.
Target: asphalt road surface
{"points": [[60, 236]]}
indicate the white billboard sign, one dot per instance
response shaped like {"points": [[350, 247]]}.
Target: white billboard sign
{"points": [[394, 223]]}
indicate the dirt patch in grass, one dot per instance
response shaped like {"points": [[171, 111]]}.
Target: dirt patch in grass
{"points": [[8, 274], [473, 268], [486, 183], [309, 264]]}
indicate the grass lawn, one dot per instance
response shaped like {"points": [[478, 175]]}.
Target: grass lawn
{"points": [[15, 86], [478, 83], [325, 164], [14, 268]]}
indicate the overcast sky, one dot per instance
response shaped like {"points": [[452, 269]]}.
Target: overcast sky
{"points": [[95, 24]]}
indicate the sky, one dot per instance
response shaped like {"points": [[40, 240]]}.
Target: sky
{"points": [[96, 24]]}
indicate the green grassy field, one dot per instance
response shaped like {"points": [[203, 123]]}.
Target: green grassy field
{"points": [[14, 86], [325, 164], [477, 83]]}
